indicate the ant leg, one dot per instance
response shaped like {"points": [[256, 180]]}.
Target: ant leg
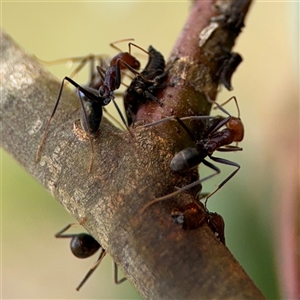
{"points": [[38, 153], [101, 72], [116, 280], [180, 190], [220, 106], [91, 271], [61, 235], [159, 121], [148, 95], [229, 148], [216, 128], [179, 120], [135, 45], [226, 162], [89, 132], [120, 41], [135, 72], [129, 45], [186, 187], [113, 119], [122, 117], [88, 94], [90, 58], [172, 118]]}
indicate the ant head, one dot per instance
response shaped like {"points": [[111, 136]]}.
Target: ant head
{"points": [[237, 126], [133, 62], [124, 58], [84, 245]]}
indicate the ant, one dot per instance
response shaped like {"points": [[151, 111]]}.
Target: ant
{"points": [[193, 215], [212, 140], [94, 99], [144, 84], [230, 62], [84, 245]]}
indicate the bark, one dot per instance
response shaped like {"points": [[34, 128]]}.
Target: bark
{"points": [[158, 257]]}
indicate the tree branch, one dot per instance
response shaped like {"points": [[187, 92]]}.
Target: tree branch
{"points": [[162, 260]]}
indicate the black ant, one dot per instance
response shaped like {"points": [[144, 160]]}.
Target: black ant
{"points": [[95, 99], [230, 62], [95, 80], [84, 245], [193, 215], [212, 140], [144, 85]]}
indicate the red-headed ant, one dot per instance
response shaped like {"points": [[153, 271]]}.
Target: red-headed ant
{"points": [[194, 215], [143, 86], [93, 99], [84, 245], [211, 140]]}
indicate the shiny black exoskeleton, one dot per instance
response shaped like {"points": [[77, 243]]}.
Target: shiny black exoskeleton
{"points": [[98, 94], [213, 140], [143, 86], [84, 245], [210, 141]]}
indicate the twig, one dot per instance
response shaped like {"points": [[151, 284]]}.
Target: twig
{"points": [[162, 260]]}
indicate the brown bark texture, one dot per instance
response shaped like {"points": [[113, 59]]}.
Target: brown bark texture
{"points": [[161, 259]]}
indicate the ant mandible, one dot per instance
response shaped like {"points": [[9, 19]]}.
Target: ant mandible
{"points": [[94, 100], [212, 140], [84, 245], [193, 215]]}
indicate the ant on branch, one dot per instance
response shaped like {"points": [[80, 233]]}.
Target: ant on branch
{"points": [[93, 100], [144, 85], [212, 140], [194, 215], [83, 245]]}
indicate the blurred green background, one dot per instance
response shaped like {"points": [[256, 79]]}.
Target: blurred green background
{"points": [[37, 266]]}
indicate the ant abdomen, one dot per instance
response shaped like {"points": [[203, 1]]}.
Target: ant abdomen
{"points": [[157, 61], [91, 122], [84, 245], [185, 159]]}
